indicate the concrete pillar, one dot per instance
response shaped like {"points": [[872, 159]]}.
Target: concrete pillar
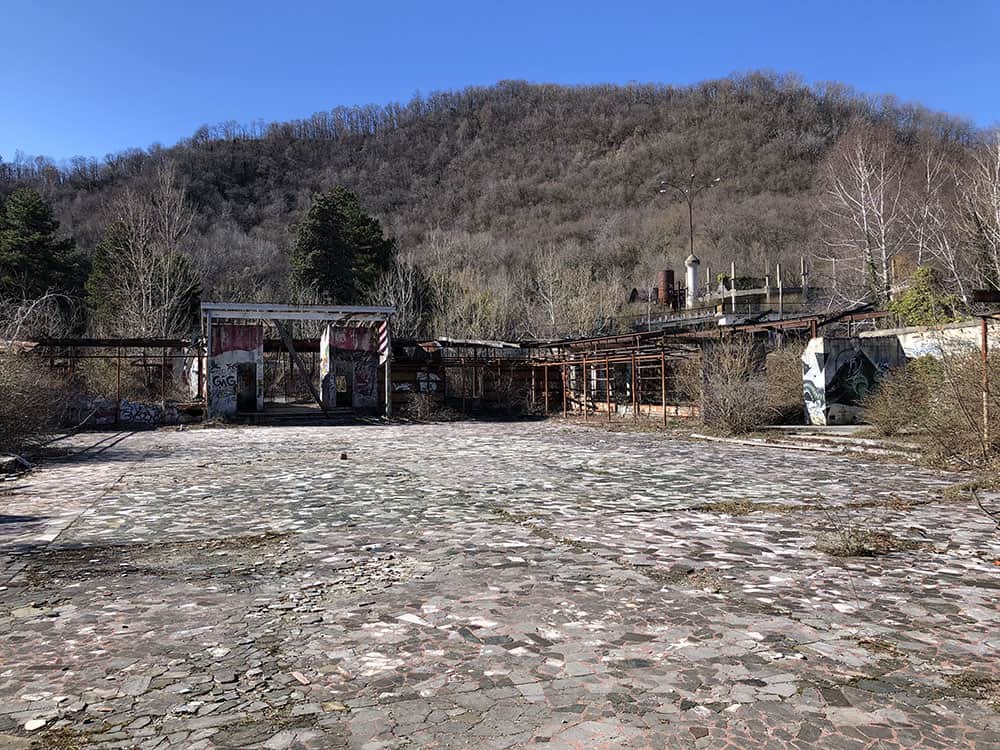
{"points": [[692, 263]]}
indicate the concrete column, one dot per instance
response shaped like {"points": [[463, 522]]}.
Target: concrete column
{"points": [[692, 263]]}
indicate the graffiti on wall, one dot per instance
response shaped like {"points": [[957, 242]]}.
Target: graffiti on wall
{"points": [[103, 411], [135, 412], [425, 381], [838, 374], [351, 352], [222, 385], [233, 345], [365, 382]]}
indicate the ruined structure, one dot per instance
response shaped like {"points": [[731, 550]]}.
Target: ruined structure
{"points": [[349, 360], [355, 344], [838, 373]]}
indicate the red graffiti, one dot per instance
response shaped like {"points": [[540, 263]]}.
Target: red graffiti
{"points": [[353, 339], [234, 337]]}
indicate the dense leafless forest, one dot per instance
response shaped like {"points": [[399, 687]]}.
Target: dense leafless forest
{"points": [[529, 210]]}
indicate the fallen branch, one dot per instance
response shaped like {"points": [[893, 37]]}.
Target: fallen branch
{"points": [[995, 517]]}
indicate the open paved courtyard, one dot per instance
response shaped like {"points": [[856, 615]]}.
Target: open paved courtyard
{"points": [[481, 585]]}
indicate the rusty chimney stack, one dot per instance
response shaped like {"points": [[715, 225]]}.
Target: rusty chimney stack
{"points": [[665, 286]]}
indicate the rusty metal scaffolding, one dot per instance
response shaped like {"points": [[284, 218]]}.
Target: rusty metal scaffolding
{"points": [[151, 362]]}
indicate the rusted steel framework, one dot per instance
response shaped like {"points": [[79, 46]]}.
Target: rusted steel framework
{"points": [[617, 381], [636, 374], [117, 379], [632, 376]]}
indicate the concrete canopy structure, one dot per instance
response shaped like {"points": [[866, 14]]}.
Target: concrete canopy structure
{"points": [[235, 360]]}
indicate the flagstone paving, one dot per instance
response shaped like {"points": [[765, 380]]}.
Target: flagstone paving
{"points": [[490, 586]]}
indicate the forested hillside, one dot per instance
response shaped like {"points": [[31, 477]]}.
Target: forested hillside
{"points": [[521, 209]]}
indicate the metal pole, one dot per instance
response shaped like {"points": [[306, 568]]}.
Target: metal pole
{"points": [[546, 389], [781, 296], [200, 362], [563, 372], [163, 381], [986, 384], [691, 217], [635, 412], [607, 384], [208, 366], [118, 383], [586, 410], [732, 285], [663, 386], [388, 369]]}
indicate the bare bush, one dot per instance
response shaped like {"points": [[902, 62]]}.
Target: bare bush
{"points": [[427, 407], [785, 404], [32, 406], [940, 402], [48, 315], [858, 541], [896, 406], [733, 387]]}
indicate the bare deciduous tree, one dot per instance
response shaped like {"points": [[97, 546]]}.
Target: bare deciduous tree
{"points": [[864, 212], [143, 282], [931, 215], [979, 192], [403, 288]]}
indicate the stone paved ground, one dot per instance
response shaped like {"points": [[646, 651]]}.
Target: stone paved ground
{"points": [[487, 586]]}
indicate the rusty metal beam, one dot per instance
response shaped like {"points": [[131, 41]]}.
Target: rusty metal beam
{"points": [[95, 343], [663, 386]]}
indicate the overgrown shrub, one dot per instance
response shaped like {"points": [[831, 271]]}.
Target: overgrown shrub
{"points": [[427, 407], [940, 403], [32, 404], [902, 396], [785, 403], [733, 385], [925, 302]]}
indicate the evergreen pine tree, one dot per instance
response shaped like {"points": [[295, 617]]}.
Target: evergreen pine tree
{"points": [[340, 252], [33, 260]]}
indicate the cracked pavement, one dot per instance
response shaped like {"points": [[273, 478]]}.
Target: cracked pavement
{"points": [[488, 585]]}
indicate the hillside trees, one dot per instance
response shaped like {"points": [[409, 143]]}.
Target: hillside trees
{"points": [[979, 191], [143, 283], [340, 252], [33, 259], [473, 184], [864, 210]]}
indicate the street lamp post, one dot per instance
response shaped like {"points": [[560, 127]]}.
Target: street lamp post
{"points": [[688, 191]]}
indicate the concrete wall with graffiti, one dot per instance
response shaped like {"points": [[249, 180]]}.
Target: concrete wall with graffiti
{"points": [[235, 346], [95, 410], [350, 353], [837, 374], [952, 338]]}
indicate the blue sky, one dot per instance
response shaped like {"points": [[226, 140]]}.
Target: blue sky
{"points": [[89, 78]]}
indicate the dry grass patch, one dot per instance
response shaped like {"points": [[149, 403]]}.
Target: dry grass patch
{"points": [[862, 542], [982, 686]]}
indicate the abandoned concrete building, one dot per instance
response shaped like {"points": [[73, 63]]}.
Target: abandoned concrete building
{"points": [[279, 362], [353, 345]]}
